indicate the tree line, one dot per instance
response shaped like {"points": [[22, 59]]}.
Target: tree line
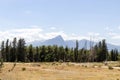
{"points": [[17, 51]]}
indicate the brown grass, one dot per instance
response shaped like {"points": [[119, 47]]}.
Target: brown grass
{"points": [[58, 71]]}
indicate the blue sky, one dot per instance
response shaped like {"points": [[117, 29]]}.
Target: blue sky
{"points": [[73, 19]]}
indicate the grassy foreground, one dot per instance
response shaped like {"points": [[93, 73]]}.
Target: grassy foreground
{"points": [[59, 71]]}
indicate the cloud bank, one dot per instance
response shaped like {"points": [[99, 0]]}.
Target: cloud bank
{"points": [[36, 33], [39, 34]]}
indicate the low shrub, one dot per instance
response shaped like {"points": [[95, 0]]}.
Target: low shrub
{"points": [[36, 65], [60, 61], [110, 68], [23, 69], [85, 66], [99, 66], [1, 63], [117, 66]]}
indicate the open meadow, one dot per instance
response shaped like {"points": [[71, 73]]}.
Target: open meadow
{"points": [[60, 71]]}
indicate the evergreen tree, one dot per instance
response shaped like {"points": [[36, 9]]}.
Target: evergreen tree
{"points": [[7, 51], [21, 50], [104, 51], [36, 56], [49, 54], [13, 50], [3, 51], [67, 53], [71, 55], [114, 55], [76, 51], [42, 53], [61, 53], [1, 57], [55, 53], [116, 52], [14, 44], [31, 56]]}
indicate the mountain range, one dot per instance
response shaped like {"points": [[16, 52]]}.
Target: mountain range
{"points": [[58, 40]]}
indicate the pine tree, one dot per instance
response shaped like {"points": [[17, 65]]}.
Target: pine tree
{"points": [[49, 54], [1, 59], [42, 53], [31, 56], [61, 53], [3, 51], [14, 44], [36, 56], [114, 55], [67, 54], [104, 51], [76, 51], [7, 51], [21, 50], [55, 53]]}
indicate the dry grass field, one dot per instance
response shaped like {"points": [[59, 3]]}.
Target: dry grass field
{"points": [[59, 71]]}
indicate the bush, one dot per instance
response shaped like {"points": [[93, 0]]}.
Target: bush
{"points": [[85, 66], [99, 66], [23, 69], [68, 64], [1, 62], [36, 65], [60, 61], [9, 70], [110, 68], [118, 69], [117, 66], [55, 63]]}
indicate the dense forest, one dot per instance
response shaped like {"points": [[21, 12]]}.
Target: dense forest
{"points": [[17, 51]]}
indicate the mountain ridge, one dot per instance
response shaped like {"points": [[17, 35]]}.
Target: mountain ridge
{"points": [[58, 40]]}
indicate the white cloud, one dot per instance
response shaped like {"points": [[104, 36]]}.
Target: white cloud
{"points": [[116, 37], [37, 33], [108, 29], [112, 34], [26, 30], [93, 34], [30, 34], [52, 28], [34, 26], [54, 34], [119, 27], [77, 37]]}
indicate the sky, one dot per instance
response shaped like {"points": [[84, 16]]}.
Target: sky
{"points": [[72, 19]]}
